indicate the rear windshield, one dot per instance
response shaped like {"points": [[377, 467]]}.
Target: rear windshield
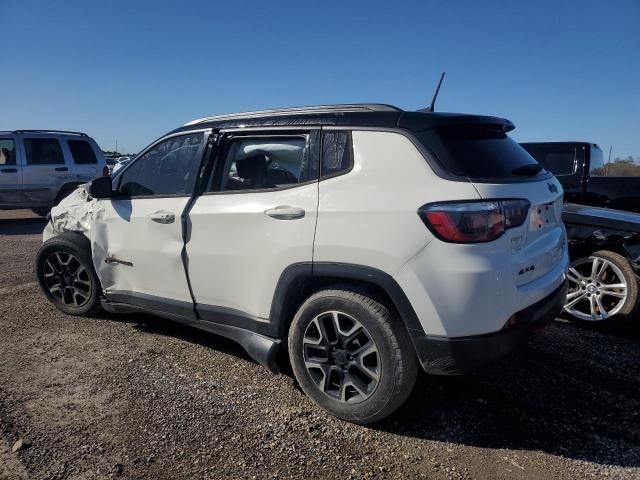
{"points": [[479, 151]]}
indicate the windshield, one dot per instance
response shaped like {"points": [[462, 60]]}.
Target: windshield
{"points": [[479, 151]]}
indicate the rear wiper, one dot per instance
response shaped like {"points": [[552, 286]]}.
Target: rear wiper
{"points": [[528, 170]]}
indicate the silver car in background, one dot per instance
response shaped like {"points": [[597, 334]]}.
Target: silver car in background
{"points": [[38, 168]]}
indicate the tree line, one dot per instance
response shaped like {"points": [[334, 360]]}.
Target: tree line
{"points": [[619, 167]]}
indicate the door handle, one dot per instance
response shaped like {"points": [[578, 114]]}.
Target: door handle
{"points": [[61, 169], [285, 212], [162, 217], [9, 170]]}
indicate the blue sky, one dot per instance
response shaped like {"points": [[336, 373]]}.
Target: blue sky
{"points": [[131, 71]]}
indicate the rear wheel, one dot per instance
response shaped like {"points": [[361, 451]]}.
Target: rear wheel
{"points": [[66, 275], [351, 355], [603, 290]]}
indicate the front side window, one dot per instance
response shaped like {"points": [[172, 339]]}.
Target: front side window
{"points": [[265, 162], [82, 152], [7, 152], [43, 151], [168, 168], [337, 153]]}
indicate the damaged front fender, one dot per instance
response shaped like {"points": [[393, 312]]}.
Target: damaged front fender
{"points": [[75, 213]]}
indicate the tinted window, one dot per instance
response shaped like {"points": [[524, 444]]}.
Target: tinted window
{"points": [[82, 152], [7, 152], [478, 151], [337, 153], [557, 158], [169, 168], [596, 164], [43, 151], [253, 163]]}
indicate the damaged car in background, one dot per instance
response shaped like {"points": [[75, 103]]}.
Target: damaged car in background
{"points": [[364, 241], [604, 246]]}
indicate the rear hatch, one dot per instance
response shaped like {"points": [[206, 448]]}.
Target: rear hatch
{"points": [[500, 169]]}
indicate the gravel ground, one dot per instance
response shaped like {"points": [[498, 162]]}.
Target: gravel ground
{"points": [[139, 397]]}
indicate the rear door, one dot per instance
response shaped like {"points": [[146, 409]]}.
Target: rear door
{"points": [[45, 170], [85, 166], [256, 218], [10, 173]]}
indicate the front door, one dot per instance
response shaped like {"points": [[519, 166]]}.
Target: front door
{"points": [[138, 237], [10, 175], [257, 218]]}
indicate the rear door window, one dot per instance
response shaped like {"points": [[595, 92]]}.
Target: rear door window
{"points": [[479, 151], [267, 162], [82, 152], [43, 151]]}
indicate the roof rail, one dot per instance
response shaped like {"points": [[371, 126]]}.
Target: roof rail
{"points": [[353, 107], [68, 132]]}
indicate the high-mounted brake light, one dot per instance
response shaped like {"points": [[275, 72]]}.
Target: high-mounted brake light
{"points": [[473, 222]]}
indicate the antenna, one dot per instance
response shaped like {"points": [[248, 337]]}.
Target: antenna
{"points": [[431, 108]]}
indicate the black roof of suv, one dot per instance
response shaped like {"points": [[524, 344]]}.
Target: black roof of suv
{"points": [[364, 115]]}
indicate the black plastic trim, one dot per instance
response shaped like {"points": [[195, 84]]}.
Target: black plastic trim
{"points": [[151, 302], [460, 355], [261, 348], [293, 275]]}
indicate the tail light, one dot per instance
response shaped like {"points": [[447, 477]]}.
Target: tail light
{"points": [[105, 171], [473, 222]]}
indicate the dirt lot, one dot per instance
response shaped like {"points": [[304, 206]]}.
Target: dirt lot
{"points": [[138, 397]]}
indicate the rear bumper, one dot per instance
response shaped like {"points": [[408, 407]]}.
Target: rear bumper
{"points": [[458, 355]]}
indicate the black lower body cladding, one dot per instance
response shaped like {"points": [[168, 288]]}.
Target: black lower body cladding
{"points": [[456, 356]]}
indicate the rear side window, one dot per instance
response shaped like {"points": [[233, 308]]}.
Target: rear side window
{"points": [[479, 151], [559, 159], [7, 152], [337, 153], [266, 162], [43, 151], [82, 152]]}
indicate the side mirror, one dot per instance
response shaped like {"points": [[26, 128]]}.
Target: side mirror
{"points": [[100, 187]]}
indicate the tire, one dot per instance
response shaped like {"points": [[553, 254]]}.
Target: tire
{"points": [[590, 295], [64, 193], [41, 212], [66, 275], [385, 370]]}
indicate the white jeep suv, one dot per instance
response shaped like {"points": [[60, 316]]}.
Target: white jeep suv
{"points": [[366, 240]]}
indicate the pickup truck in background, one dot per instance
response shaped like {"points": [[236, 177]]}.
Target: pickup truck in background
{"points": [[580, 168]]}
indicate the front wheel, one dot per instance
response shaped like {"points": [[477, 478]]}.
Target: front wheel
{"points": [[603, 290], [351, 355], [66, 275]]}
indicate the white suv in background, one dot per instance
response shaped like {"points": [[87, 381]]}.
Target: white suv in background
{"points": [[366, 240], [38, 168]]}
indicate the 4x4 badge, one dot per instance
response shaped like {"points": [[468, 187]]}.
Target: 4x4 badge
{"points": [[552, 188]]}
